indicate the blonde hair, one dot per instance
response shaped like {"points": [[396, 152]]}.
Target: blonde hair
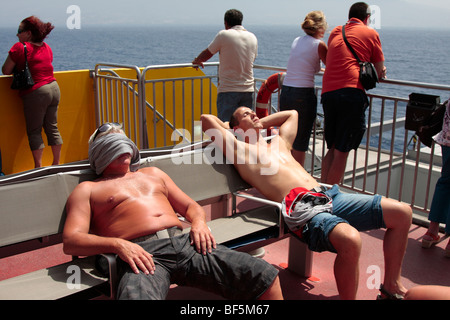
{"points": [[314, 21]]}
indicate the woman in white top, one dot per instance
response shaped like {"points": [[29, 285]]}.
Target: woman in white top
{"points": [[440, 206], [298, 86]]}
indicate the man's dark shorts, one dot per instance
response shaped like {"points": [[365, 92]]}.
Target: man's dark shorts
{"points": [[231, 274], [304, 101], [345, 120], [228, 102]]}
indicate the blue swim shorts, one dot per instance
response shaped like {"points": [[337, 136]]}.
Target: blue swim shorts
{"points": [[361, 211]]}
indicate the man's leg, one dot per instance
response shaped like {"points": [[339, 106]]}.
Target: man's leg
{"points": [[333, 166], [273, 292], [229, 273], [428, 292], [347, 242], [140, 286], [155, 286], [300, 156], [329, 232], [397, 218]]}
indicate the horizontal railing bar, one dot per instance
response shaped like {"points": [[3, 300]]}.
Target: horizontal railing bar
{"points": [[381, 157]]}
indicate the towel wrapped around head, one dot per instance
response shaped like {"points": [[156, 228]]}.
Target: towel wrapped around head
{"points": [[109, 147]]}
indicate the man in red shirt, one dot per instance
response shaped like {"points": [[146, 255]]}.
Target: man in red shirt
{"points": [[343, 97]]}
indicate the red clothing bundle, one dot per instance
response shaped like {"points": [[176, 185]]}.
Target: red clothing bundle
{"points": [[301, 204]]}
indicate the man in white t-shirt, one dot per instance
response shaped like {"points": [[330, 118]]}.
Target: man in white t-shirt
{"points": [[238, 49]]}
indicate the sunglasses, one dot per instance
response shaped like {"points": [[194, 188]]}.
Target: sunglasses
{"points": [[19, 31], [105, 127]]}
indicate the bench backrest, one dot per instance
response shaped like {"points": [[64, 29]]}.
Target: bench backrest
{"points": [[200, 177], [35, 209]]}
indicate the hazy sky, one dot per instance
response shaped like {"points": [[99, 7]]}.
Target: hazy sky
{"points": [[392, 13]]}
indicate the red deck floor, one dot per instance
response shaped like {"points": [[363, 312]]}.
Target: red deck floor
{"points": [[421, 266]]}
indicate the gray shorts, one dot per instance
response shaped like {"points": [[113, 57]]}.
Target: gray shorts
{"points": [[231, 274]]}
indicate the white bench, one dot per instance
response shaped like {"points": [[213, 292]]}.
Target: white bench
{"points": [[33, 214]]}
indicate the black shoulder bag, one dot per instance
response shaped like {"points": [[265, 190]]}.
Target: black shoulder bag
{"points": [[432, 125], [22, 79], [367, 72]]}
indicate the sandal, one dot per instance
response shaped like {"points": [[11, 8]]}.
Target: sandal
{"points": [[386, 295], [432, 239]]}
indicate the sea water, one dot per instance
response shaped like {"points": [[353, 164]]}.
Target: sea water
{"points": [[410, 54]]}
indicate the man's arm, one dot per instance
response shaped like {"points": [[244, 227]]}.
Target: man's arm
{"points": [[381, 69], [204, 56], [286, 121], [79, 242], [220, 133], [200, 233]]}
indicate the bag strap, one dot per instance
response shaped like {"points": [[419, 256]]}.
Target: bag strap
{"points": [[348, 44], [25, 51]]}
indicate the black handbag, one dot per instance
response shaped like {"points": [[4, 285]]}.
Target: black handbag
{"points": [[22, 79], [432, 125], [367, 72]]}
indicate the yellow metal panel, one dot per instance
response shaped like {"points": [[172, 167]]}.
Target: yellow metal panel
{"points": [[178, 111], [76, 120], [76, 114]]}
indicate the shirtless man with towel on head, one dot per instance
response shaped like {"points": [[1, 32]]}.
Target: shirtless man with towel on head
{"points": [[131, 213]]}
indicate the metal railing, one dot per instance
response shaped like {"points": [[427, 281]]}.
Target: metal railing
{"points": [[174, 94], [388, 162], [117, 99]]}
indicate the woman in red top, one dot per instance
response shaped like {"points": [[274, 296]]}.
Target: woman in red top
{"points": [[41, 101]]}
